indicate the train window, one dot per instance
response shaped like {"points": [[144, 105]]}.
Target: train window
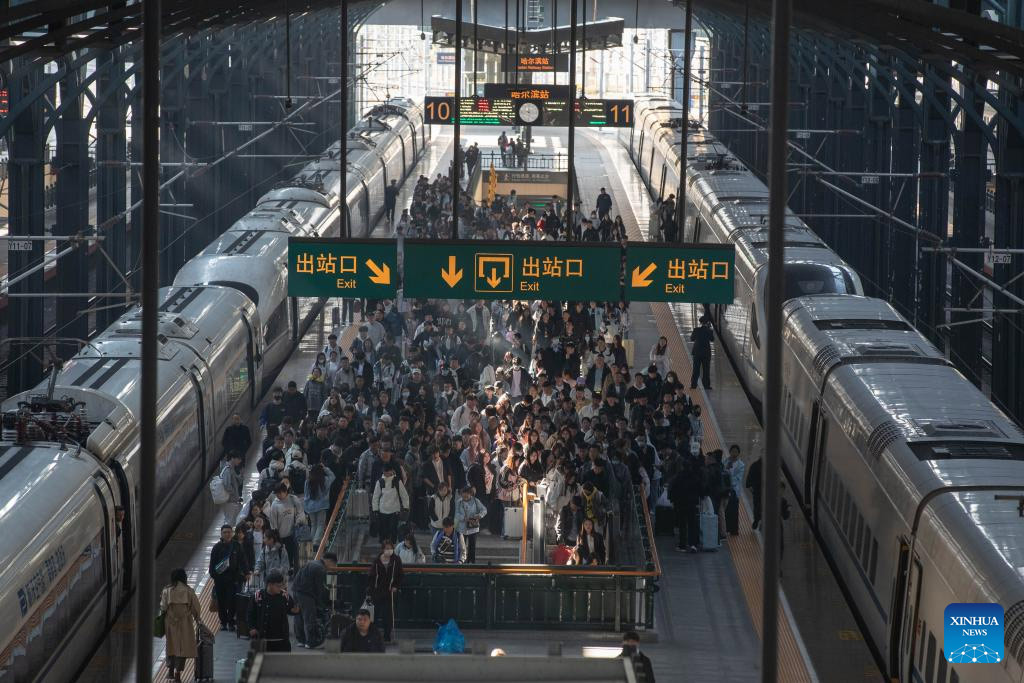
{"points": [[857, 541], [929, 665], [873, 562], [847, 514], [804, 279], [954, 677], [865, 548], [941, 678], [967, 450]]}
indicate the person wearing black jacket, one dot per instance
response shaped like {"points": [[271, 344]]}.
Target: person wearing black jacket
{"points": [[226, 563], [268, 615], [294, 403], [237, 437], [641, 662], [702, 338], [384, 581], [310, 588], [715, 485], [570, 520], [684, 493], [362, 635]]}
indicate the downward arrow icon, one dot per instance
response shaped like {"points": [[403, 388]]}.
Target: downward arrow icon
{"points": [[451, 276], [494, 280], [381, 274], [639, 278]]}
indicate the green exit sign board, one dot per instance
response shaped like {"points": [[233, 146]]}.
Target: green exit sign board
{"points": [[690, 273], [475, 269], [342, 268]]}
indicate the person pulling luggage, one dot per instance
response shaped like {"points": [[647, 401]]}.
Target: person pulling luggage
{"points": [[268, 614]]}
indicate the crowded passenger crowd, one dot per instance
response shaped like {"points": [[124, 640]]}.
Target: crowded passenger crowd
{"points": [[442, 414]]}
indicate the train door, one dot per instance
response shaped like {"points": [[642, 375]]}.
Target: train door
{"points": [[901, 625], [816, 442], [661, 188], [197, 384], [252, 362], [106, 497], [914, 641], [126, 538]]}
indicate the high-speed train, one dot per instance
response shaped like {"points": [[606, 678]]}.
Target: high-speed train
{"points": [[69, 450], [895, 457]]}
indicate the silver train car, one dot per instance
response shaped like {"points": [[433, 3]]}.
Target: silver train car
{"points": [[728, 204], [69, 449], [895, 457]]}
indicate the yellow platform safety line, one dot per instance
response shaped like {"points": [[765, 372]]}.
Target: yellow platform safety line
{"points": [[744, 549], [210, 619]]}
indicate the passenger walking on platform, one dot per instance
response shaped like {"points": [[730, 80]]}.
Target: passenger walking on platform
{"points": [[385, 578], [440, 503], [317, 499], [362, 635], [604, 204], [225, 569], [273, 413], [408, 550], [268, 615], [590, 548], [641, 663], [285, 514], [684, 493], [390, 501], [231, 478], [309, 587], [272, 558], [468, 513], [734, 467], [390, 201], [702, 337], [237, 437], [180, 607], [448, 546]]}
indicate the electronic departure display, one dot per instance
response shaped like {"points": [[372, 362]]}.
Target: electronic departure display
{"points": [[528, 107]]}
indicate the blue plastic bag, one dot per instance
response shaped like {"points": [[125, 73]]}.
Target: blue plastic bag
{"points": [[449, 639]]}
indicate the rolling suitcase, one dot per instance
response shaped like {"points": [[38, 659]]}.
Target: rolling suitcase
{"points": [[513, 527], [204, 654], [709, 531], [242, 601], [359, 504]]}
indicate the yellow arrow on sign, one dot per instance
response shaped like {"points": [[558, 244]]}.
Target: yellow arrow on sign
{"points": [[381, 274], [451, 276], [640, 277], [494, 279]]}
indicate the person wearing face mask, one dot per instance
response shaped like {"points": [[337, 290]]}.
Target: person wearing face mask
{"points": [[385, 579], [273, 412], [389, 501], [272, 558], [641, 662], [271, 476]]}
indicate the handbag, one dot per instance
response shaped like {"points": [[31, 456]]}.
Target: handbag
{"points": [[214, 606], [473, 522], [160, 625], [368, 606], [223, 565]]}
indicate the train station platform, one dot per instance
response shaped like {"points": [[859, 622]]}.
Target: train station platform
{"points": [[707, 606]]}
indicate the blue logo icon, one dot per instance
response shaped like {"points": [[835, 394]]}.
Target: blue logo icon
{"points": [[973, 633]]}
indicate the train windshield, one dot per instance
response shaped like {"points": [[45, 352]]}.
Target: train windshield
{"points": [[806, 279]]}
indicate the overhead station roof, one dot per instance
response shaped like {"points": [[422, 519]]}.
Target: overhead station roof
{"points": [[600, 34], [47, 28], [918, 28]]}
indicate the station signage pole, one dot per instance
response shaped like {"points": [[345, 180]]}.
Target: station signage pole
{"points": [[777, 143], [343, 136], [456, 165], [684, 126], [572, 120]]}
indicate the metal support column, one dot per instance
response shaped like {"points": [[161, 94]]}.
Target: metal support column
{"points": [[111, 176], [570, 185], [344, 85], [457, 132], [684, 125], [777, 152], [145, 594], [968, 229], [26, 200], [72, 166], [933, 213]]}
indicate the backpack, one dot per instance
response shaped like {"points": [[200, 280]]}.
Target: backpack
{"points": [[218, 491], [297, 476], [268, 484]]}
